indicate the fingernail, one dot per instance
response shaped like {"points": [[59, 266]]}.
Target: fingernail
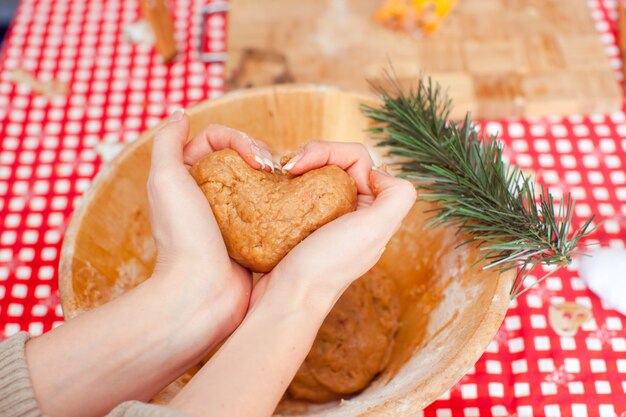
{"points": [[264, 153], [260, 161], [176, 115], [382, 168], [292, 162], [262, 156]]}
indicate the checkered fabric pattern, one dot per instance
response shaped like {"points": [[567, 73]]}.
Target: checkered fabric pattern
{"points": [[117, 90]]}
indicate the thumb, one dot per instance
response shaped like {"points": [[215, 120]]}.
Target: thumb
{"points": [[394, 197], [169, 140]]}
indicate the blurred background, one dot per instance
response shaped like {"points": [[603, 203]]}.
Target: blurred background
{"points": [[79, 79], [7, 9]]}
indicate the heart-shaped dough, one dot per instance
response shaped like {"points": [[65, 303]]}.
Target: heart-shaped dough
{"points": [[263, 215]]}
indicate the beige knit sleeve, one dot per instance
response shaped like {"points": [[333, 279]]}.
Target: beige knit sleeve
{"points": [[17, 398]]}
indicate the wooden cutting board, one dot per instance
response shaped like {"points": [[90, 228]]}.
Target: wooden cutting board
{"points": [[497, 58]]}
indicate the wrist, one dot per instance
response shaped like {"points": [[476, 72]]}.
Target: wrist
{"points": [[183, 271], [189, 300], [269, 346], [191, 285], [286, 295]]}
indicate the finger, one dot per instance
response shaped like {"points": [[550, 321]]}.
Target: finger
{"points": [[167, 147], [394, 197], [351, 157], [351, 244], [217, 137]]}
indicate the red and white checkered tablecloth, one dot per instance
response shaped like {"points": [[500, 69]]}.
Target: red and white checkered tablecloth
{"points": [[117, 90]]}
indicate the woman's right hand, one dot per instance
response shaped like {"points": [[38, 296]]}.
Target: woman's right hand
{"points": [[324, 264]]}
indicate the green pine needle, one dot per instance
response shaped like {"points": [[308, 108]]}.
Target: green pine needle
{"points": [[462, 172]]}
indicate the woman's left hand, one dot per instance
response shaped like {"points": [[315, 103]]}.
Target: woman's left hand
{"points": [[135, 345], [191, 255]]}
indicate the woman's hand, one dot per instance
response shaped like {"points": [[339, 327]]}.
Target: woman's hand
{"points": [[190, 248], [133, 346], [252, 370], [324, 264]]}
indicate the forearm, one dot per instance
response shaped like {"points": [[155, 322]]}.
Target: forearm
{"points": [[127, 349], [251, 371]]}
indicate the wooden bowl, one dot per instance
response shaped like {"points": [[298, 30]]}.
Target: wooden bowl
{"points": [[450, 310]]}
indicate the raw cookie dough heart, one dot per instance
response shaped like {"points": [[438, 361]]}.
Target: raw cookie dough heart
{"points": [[263, 215]]}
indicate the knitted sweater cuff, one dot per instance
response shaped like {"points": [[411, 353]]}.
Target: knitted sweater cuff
{"points": [[17, 398]]}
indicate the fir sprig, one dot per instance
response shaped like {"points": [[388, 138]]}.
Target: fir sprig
{"points": [[462, 172]]}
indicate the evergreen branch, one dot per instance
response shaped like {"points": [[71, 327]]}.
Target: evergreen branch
{"points": [[462, 172]]}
